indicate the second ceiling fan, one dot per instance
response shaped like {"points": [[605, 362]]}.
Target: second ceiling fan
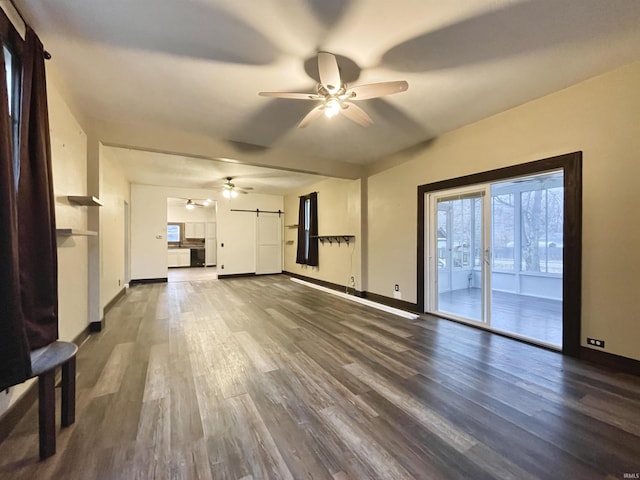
{"points": [[336, 97], [230, 190]]}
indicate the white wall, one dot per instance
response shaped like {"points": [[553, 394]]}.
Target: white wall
{"points": [[236, 230], [599, 117], [338, 214]]}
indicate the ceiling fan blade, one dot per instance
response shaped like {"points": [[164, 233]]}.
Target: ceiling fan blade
{"points": [[329, 72], [311, 116], [374, 90], [291, 95], [356, 114]]}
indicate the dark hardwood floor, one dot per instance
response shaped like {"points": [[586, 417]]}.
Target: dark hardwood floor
{"points": [[531, 317], [263, 378]]}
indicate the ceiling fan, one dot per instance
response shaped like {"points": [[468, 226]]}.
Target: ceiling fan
{"points": [[193, 203], [338, 97], [230, 190]]}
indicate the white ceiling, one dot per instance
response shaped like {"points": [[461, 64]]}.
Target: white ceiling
{"points": [[153, 168], [196, 66]]}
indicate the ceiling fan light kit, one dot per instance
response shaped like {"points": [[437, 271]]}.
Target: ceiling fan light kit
{"points": [[336, 96], [229, 194]]}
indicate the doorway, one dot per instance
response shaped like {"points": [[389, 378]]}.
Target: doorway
{"points": [[501, 250]]}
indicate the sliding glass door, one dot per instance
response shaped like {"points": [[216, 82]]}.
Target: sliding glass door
{"points": [[495, 256]]}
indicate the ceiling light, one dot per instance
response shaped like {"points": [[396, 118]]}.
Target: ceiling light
{"points": [[234, 194], [207, 202], [190, 205], [226, 193], [331, 108]]}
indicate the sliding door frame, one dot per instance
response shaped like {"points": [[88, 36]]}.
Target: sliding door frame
{"points": [[571, 165]]}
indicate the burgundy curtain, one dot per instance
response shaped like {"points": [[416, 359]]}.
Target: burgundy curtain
{"points": [[15, 364], [36, 206]]}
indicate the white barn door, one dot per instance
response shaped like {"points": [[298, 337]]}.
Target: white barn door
{"points": [[269, 243]]}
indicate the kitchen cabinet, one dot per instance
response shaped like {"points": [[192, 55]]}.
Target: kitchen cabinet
{"points": [[179, 257], [194, 230]]}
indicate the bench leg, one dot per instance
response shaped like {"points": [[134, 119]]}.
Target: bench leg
{"points": [[47, 413], [68, 413]]}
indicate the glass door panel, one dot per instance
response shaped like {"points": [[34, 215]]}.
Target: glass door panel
{"points": [[527, 245], [460, 255]]}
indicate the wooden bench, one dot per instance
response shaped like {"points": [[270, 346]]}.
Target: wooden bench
{"points": [[44, 362]]}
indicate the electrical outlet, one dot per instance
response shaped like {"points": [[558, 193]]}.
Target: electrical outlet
{"points": [[118, 282], [396, 288], [221, 267], [352, 281], [595, 342]]}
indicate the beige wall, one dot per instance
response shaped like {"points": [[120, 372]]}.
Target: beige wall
{"points": [[114, 194], [338, 213], [601, 117], [69, 153]]}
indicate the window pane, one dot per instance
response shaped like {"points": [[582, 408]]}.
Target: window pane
{"points": [[462, 232], [555, 221], [477, 232], [8, 62], [307, 226], [173, 233], [503, 231], [534, 238], [443, 215]]}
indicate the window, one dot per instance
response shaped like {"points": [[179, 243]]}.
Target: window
{"points": [[307, 251], [503, 231], [174, 233], [527, 224], [14, 88], [307, 226], [8, 60]]}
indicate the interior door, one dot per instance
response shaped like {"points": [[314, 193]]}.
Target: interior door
{"points": [[269, 244], [459, 254]]}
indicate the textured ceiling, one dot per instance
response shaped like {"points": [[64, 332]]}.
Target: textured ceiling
{"points": [[195, 67]]}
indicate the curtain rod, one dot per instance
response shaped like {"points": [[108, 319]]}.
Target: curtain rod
{"points": [[46, 54], [310, 193]]}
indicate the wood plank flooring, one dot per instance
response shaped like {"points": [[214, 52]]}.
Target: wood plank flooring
{"points": [[263, 378]]}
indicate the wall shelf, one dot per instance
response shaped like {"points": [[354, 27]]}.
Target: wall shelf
{"points": [[334, 238], [295, 225], [67, 232], [86, 200]]}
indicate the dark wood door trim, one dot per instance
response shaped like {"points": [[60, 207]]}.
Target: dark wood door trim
{"points": [[571, 164]]}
